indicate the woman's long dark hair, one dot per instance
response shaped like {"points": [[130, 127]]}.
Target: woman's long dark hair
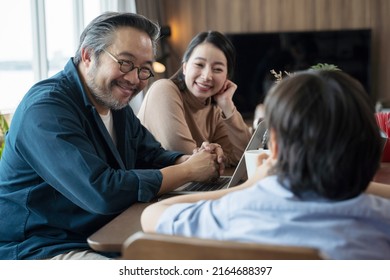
{"points": [[328, 139]]}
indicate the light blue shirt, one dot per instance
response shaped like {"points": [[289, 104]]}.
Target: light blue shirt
{"points": [[357, 228]]}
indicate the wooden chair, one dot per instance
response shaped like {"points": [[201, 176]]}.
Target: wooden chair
{"points": [[147, 246]]}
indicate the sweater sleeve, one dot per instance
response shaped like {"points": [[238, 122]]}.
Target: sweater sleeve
{"points": [[162, 113], [238, 136]]}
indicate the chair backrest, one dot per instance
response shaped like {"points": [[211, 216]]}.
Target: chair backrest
{"points": [[147, 246]]}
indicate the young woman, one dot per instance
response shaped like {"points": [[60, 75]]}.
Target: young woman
{"points": [[195, 105]]}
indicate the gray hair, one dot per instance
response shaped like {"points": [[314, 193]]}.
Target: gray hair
{"points": [[99, 33]]}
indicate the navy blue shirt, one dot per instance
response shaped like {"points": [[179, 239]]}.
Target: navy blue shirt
{"points": [[61, 175]]}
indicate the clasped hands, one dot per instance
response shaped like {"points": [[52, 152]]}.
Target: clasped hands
{"points": [[218, 157]]}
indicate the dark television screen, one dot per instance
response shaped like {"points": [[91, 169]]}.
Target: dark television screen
{"points": [[258, 53]]}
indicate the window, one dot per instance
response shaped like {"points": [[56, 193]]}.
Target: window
{"points": [[93, 10], [16, 57], [41, 37], [61, 43]]}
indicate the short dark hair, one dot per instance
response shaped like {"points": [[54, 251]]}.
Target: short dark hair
{"points": [[99, 33], [328, 138], [215, 38]]}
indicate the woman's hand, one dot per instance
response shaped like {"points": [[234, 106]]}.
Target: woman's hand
{"points": [[224, 98]]}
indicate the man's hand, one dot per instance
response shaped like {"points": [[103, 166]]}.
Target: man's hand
{"points": [[203, 165], [216, 149]]}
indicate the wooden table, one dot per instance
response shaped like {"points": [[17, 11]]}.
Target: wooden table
{"points": [[111, 236]]}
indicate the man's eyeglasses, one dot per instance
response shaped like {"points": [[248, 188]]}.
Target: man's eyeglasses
{"points": [[127, 66]]}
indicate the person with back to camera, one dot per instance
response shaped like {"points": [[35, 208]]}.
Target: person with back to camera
{"points": [[196, 104], [310, 191], [76, 155]]}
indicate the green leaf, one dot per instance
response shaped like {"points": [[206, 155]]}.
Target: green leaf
{"points": [[1, 149], [3, 130], [3, 124]]}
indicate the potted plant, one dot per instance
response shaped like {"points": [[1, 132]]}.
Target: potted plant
{"points": [[319, 66], [3, 130], [259, 111]]}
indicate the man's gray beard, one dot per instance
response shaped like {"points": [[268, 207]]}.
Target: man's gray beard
{"points": [[105, 99]]}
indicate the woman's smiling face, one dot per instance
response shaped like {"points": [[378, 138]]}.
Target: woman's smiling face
{"points": [[206, 71]]}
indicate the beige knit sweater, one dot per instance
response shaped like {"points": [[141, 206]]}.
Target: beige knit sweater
{"points": [[181, 122]]}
